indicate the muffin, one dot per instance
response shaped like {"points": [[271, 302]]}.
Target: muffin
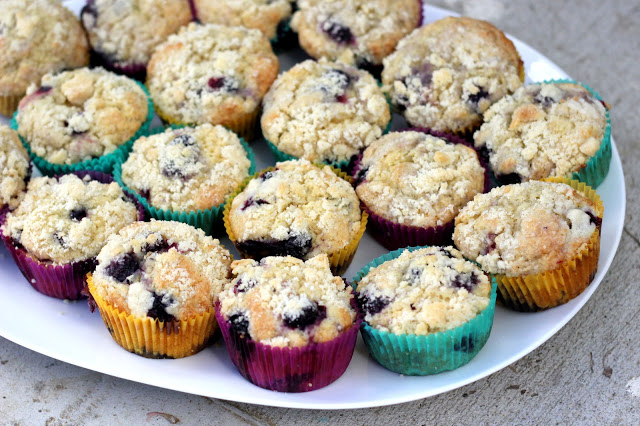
{"points": [[60, 227], [426, 310], [82, 119], [541, 240], [268, 16], [37, 37], [413, 184], [212, 74], [15, 170], [547, 129], [324, 111], [155, 286], [360, 32], [297, 209], [123, 33], [446, 74], [289, 325], [185, 174]]}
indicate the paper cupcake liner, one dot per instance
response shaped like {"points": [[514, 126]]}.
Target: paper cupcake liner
{"points": [[415, 355], [339, 260], [546, 290], [151, 338], [209, 220], [101, 164], [300, 369], [9, 104], [394, 235]]}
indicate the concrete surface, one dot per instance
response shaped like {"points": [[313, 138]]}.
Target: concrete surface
{"points": [[586, 374]]}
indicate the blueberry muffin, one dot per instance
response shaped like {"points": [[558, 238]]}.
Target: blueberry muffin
{"points": [[289, 324], [15, 169], [212, 74], [268, 16], [81, 115], [186, 169], [414, 180], [123, 33], [361, 32], [161, 272], [36, 37], [297, 209], [446, 74], [522, 232], [542, 130], [323, 111]]}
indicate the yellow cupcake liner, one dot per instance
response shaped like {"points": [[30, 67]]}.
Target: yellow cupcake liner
{"points": [[338, 260], [553, 288], [152, 338], [9, 104]]}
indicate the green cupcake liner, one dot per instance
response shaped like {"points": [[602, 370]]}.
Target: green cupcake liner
{"points": [[102, 164], [597, 167], [208, 220], [415, 355]]}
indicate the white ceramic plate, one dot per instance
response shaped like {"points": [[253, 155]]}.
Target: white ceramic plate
{"points": [[69, 332]]}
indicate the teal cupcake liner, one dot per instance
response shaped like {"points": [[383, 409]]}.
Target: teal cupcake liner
{"points": [[209, 220], [597, 167], [415, 355], [102, 164]]}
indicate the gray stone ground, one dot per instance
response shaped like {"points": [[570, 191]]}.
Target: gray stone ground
{"points": [[579, 376]]}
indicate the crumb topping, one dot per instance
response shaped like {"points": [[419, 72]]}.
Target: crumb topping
{"points": [[324, 111], [543, 130], [422, 292], [68, 219], [444, 75], [14, 168], [526, 228], [417, 179], [163, 270], [187, 169], [287, 302]]}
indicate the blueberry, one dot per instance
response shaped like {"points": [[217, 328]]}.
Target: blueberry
{"points": [[185, 140], [545, 101], [78, 213], [447, 253], [342, 78], [372, 305], [225, 84], [309, 315], [466, 281], [490, 244], [242, 286], [594, 219], [239, 325], [338, 32], [146, 194], [123, 267], [160, 245], [158, 309], [60, 239], [509, 179], [361, 176], [252, 202], [466, 344], [43, 89], [473, 99], [89, 10], [266, 175], [296, 245], [414, 276]]}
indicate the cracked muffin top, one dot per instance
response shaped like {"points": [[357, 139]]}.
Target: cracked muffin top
{"points": [[37, 37], [324, 111], [14, 168], [297, 209], [424, 291], [446, 74], [187, 169], [542, 130], [287, 302], [68, 219], [263, 15], [126, 31], [527, 228], [360, 32], [211, 74], [418, 179], [163, 270], [78, 115]]}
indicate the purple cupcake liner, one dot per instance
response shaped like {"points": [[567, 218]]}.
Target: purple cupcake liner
{"points": [[395, 235], [299, 369], [60, 281]]}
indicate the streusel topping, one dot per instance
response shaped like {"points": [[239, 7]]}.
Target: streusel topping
{"points": [[526, 228], [543, 130], [78, 115], [164, 270], [68, 219], [14, 168], [417, 179], [287, 302], [186, 169], [446, 74], [424, 291], [324, 111]]}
